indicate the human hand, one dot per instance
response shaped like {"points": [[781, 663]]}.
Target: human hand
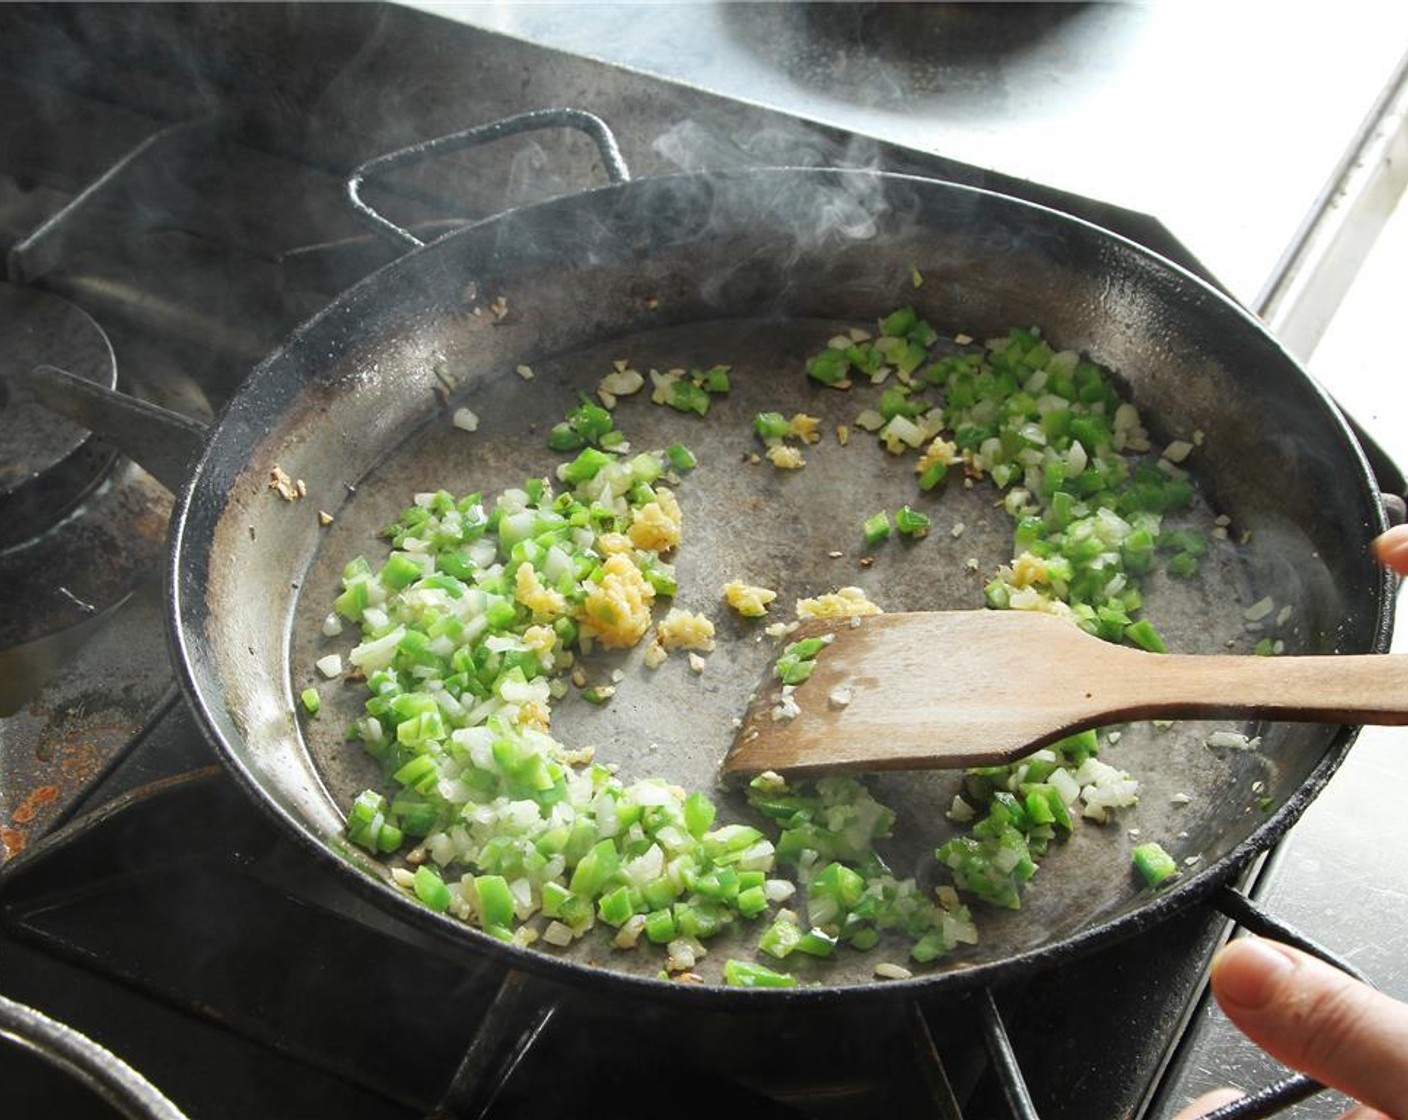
{"points": [[1316, 1019], [1309, 1014]]}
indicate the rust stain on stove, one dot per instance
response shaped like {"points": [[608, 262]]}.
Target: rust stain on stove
{"points": [[83, 763], [31, 805], [70, 768], [98, 740], [13, 840], [74, 768]]}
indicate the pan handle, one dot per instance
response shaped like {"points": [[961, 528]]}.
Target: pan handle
{"points": [[508, 1029], [593, 126], [1272, 1099]]}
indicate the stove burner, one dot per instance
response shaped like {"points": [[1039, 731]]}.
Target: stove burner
{"points": [[79, 527], [47, 464]]}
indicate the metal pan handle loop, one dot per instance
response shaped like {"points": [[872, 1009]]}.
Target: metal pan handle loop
{"points": [[593, 126]]}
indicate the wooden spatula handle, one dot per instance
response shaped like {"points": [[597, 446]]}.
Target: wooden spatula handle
{"points": [[1362, 688]]}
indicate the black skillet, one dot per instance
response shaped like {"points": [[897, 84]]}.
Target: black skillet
{"points": [[757, 269]]}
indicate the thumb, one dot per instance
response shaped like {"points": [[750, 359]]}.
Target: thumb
{"points": [[1316, 1019]]}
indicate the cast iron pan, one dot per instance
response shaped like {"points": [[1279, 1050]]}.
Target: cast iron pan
{"points": [[756, 270]]}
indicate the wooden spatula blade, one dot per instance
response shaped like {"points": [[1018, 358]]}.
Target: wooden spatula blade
{"points": [[923, 691]]}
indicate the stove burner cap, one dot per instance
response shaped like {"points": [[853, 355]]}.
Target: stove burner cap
{"points": [[47, 464]]}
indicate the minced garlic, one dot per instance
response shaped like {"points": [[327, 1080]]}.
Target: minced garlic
{"points": [[289, 489], [844, 602], [685, 630], [617, 609], [545, 602], [805, 427], [655, 526], [940, 452], [748, 600], [785, 457]]}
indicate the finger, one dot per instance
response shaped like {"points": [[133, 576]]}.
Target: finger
{"points": [[1316, 1019], [1391, 549], [1207, 1102], [1364, 1112]]}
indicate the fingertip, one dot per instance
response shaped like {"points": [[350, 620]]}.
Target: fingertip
{"points": [[1208, 1102], [1391, 549], [1316, 1019], [1248, 973]]}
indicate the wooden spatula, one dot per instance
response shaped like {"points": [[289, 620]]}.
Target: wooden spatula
{"points": [[970, 688]]}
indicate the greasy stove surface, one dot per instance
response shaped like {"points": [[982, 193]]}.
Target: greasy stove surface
{"points": [[175, 172]]}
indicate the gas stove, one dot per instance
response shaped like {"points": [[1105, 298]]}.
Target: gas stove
{"points": [[171, 200]]}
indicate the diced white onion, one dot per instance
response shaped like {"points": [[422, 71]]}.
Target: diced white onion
{"points": [[1233, 740], [558, 934], [960, 810], [1260, 609], [628, 935], [778, 890], [1076, 459], [377, 654]]}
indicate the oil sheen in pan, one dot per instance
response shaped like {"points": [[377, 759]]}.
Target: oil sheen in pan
{"points": [[781, 529]]}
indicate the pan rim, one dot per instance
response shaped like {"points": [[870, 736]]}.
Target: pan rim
{"points": [[1189, 891]]}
